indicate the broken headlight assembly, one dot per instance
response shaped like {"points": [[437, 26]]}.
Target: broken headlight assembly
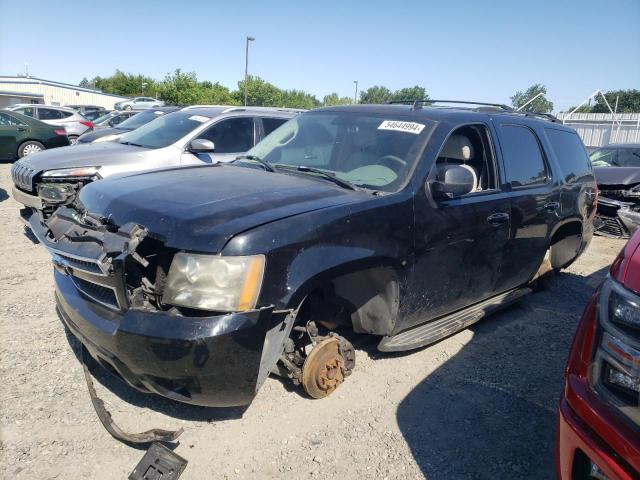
{"points": [[214, 282], [616, 370], [72, 173], [60, 186]]}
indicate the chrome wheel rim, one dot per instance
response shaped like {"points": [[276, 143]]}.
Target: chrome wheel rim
{"points": [[73, 140], [29, 149]]}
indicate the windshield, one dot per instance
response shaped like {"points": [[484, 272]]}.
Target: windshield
{"points": [[616, 157], [140, 119], [164, 131], [370, 151]]}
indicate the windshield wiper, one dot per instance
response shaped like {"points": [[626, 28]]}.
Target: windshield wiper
{"points": [[327, 175], [132, 144], [267, 166]]}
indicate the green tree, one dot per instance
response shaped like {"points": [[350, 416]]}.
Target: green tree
{"points": [[126, 84], [410, 93], [628, 101], [335, 99], [180, 88], [84, 83], [376, 94], [540, 104]]}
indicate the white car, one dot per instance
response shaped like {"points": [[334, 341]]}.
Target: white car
{"points": [[139, 103], [190, 136], [74, 123]]}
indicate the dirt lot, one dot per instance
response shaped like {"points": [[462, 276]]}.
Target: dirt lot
{"points": [[480, 404]]}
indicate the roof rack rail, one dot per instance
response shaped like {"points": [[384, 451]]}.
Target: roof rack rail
{"points": [[545, 116], [417, 103]]}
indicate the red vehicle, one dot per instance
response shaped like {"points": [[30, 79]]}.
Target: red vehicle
{"points": [[599, 418]]}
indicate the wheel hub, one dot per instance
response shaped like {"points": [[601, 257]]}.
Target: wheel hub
{"points": [[323, 370]]}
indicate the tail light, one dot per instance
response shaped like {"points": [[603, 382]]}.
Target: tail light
{"points": [[87, 123], [60, 131]]}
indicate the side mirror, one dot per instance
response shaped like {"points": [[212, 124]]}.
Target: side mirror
{"points": [[454, 181], [112, 123], [200, 145]]}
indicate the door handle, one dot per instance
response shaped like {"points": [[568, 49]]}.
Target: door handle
{"points": [[497, 219], [551, 207], [21, 129]]}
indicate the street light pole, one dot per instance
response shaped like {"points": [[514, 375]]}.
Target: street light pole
{"points": [[246, 68], [355, 96]]}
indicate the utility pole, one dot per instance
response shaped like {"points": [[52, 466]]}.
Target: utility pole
{"points": [[246, 68], [355, 95], [142, 85]]}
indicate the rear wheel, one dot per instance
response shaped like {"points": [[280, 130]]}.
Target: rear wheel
{"points": [[73, 139], [127, 107], [29, 147]]}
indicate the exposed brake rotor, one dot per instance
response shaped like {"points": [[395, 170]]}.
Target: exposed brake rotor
{"points": [[324, 368]]}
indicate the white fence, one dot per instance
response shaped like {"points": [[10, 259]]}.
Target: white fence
{"points": [[599, 129]]}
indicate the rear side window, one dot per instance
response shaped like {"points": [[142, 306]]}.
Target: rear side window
{"points": [[571, 154], [65, 114], [233, 135], [25, 111], [270, 124], [629, 157], [49, 114], [523, 161], [7, 120]]}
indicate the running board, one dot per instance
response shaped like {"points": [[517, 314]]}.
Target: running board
{"points": [[435, 330]]}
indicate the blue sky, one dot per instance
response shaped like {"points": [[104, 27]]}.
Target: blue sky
{"points": [[482, 50]]}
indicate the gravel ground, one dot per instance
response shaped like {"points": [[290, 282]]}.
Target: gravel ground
{"points": [[479, 404]]}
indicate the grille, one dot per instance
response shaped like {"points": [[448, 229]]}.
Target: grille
{"points": [[78, 264], [22, 176], [612, 226], [99, 293]]}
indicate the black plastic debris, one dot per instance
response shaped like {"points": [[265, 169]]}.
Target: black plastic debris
{"points": [[159, 463]]}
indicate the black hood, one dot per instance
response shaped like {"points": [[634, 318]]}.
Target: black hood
{"points": [[617, 176], [201, 208]]}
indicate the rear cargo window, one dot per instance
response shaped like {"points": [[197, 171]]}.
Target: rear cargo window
{"points": [[571, 154], [523, 161]]}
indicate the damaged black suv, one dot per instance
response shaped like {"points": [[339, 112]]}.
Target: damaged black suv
{"points": [[407, 221]]}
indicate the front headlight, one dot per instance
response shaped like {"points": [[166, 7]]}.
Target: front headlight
{"points": [[106, 138], [214, 282], [78, 172]]}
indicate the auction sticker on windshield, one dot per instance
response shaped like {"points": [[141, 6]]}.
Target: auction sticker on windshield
{"points": [[398, 126], [199, 118]]}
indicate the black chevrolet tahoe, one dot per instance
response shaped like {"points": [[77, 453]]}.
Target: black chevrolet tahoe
{"points": [[405, 221]]}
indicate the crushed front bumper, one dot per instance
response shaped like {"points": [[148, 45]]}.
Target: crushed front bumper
{"points": [[212, 361], [616, 218]]}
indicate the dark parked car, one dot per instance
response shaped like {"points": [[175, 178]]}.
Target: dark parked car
{"points": [[83, 109], [617, 170], [599, 417], [93, 115], [109, 134], [111, 119], [399, 221], [21, 135]]}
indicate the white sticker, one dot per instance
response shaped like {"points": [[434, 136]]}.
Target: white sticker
{"points": [[398, 126], [199, 118], [157, 112]]}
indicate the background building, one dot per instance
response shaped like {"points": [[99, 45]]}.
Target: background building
{"points": [[36, 90]]}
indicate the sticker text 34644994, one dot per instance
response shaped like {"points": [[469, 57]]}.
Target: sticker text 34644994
{"points": [[398, 126]]}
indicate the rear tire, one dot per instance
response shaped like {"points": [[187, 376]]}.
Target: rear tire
{"points": [[29, 147], [73, 139], [127, 107]]}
